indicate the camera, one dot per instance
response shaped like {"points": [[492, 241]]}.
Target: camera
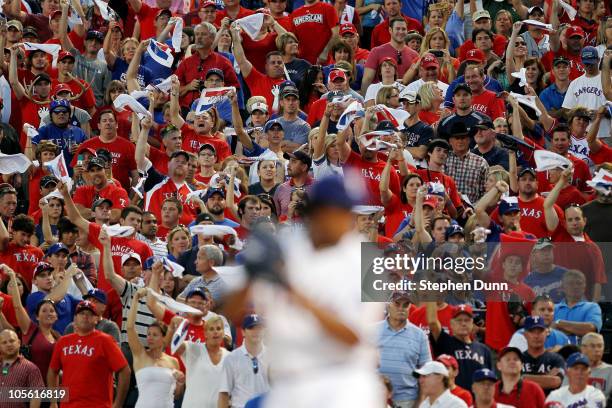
{"points": [[437, 53]]}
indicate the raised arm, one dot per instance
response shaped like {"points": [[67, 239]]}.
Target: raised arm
{"points": [[109, 55], [520, 8], [237, 122], [142, 147], [431, 312], [59, 291], [15, 11], [550, 215], [72, 212], [241, 59], [175, 108], [385, 192], [135, 4], [155, 308], [488, 200], [318, 144], [135, 345], [4, 235], [606, 81], [63, 26], [368, 78], [510, 67], [229, 193], [16, 86], [132, 71], [46, 224], [342, 143], [421, 236], [116, 281], [555, 41], [23, 319], [594, 143]]}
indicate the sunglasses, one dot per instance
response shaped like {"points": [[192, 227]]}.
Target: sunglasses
{"points": [[255, 365], [519, 43], [399, 58]]}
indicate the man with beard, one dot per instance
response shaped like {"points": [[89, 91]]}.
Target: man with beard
{"points": [[121, 149], [148, 234], [17, 370], [88, 359], [297, 170], [84, 196], [216, 205], [158, 187]]}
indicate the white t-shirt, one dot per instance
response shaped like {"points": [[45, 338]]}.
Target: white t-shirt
{"points": [[590, 397], [203, 379], [580, 148], [322, 167], [373, 89], [588, 92]]}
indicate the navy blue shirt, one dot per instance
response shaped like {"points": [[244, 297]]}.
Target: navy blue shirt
{"points": [[144, 75], [543, 364], [62, 137], [495, 156]]}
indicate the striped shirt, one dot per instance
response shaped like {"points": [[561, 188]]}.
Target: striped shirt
{"points": [[470, 173], [159, 247], [401, 352], [144, 317], [22, 373]]}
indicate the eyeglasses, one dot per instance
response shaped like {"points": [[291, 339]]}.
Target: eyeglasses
{"points": [[255, 365], [399, 58]]}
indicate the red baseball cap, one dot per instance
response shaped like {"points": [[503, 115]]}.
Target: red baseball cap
{"points": [[573, 31], [475, 55], [431, 201], [65, 54], [390, 60], [448, 361], [337, 73], [429, 60], [208, 3], [463, 309], [61, 88], [85, 305], [347, 28]]}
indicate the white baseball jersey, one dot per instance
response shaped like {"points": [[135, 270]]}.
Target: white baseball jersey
{"points": [[588, 92], [590, 397]]}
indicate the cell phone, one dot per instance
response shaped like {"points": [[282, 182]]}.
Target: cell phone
{"points": [[80, 160], [437, 53]]}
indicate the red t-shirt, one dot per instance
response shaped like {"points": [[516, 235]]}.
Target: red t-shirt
{"points": [[446, 180], [159, 159], [378, 54], [285, 22], [123, 152], [381, 34], [193, 141], [22, 260], [316, 111], [8, 309], [429, 117], [531, 395], [86, 195], [146, 16], [312, 25], [87, 364], [256, 51], [195, 333], [371, 174], [500, 327], [576, 65], [585, 256], [202, 179], [242, 12], [395, 213], [85, 101], [489, 104], [532, 217], [463, 394], [499, 46], [418, 317], [30, 113], [261, 85], [124, 121], [603, 155], [196, 68], [155, 197]]}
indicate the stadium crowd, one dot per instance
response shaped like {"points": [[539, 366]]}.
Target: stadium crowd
{"points": [[146, 143]]}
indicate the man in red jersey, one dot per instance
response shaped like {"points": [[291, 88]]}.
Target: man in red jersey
{"points": [[88, 359], [233, 10], [574, 37], [16, 252], [277, 10], [318, 18], [148, 16], [259, 83], [380, 33], [121, 149], [191, 72], [511, 388], [85, 196], [483, 100]]}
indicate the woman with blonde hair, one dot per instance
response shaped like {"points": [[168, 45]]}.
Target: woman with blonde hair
{"points": [[178, 241], [431, 98], [604, 36], [388, 96], [437, 43]]}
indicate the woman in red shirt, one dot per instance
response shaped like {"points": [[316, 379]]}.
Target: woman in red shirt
{"points": [[397, 207], [431, 98]]}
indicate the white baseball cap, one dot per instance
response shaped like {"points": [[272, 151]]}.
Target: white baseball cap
{"points": [[431, 367], [131, 255], [259, 106]]}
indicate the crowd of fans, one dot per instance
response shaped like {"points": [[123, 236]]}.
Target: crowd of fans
{"points": [[144, 141]]}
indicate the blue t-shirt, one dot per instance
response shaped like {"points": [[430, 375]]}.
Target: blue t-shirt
{"points": [[65, 309], [552, 98], [144, 75], [583, 312], [547, 283], [39, 232], [62, 137], [157, 69]]}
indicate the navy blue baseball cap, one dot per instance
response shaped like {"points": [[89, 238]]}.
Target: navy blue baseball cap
{"points": [[453, 230], [484, 374], [589, 56], [251, 321], [577, 358], [508, 205], [97, 294], [271, 123], [197, 292], [59, 104], [331, 192], [57, 247], [211, 191], [534, 322]]}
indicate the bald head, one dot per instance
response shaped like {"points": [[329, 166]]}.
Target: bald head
{"points": [[9, 344]]}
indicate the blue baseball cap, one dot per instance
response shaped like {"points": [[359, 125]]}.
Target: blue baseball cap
{"points": [[211, 191], [534, 322], [577, 358], [97, 294], [59, 104], [251, 321], [331, 192], [271, 123], [509, 204], [589, 56], [484, 374], [57, 247], [197, 292], [453, 230]]}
